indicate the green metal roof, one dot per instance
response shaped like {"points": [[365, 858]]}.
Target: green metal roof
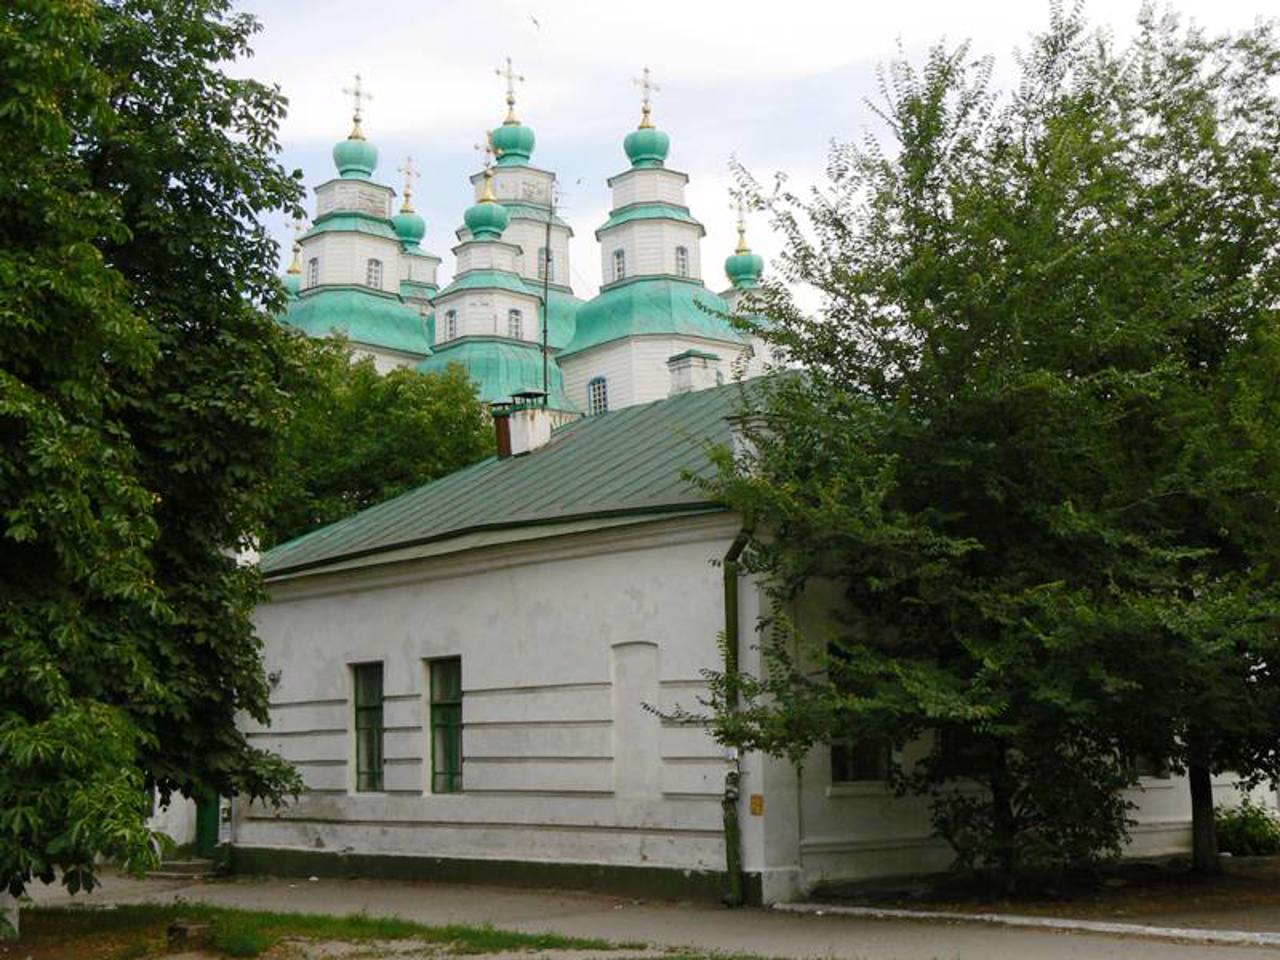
{"points": [[530, 211], [651, 305], [352, 223], [500, 367], [628, 462], [648, 211], [486, 280], [562, 316], [362, 316]]}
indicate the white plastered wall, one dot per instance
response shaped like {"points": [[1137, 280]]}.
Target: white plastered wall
{"points": [[344, 257], [563, 642], [485, 313], [359, 196], [486, 255], [648, 185], [650, 247], [635, 368]]}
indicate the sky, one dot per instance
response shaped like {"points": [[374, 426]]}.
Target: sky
{"points": [[771, 84]]}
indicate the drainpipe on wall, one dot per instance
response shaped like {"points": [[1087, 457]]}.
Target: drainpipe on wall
{"points": [[735, 894]]}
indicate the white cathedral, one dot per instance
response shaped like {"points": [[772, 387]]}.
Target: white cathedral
{"points": [[361, 271]]}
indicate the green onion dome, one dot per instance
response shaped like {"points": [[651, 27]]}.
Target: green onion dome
{"points": [[355, 158], [512, 143], [409, 226], [292, 283], [646, 147], [486, 220], [744, 268]]}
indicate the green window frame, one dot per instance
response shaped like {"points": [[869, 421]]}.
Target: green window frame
{"points": [[861, 761], [367, 700], [446, 725]]}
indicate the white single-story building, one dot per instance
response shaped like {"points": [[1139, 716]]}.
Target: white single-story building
{"points": [[471, 679]]}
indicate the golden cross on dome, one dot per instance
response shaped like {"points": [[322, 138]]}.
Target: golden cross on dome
{"points": [[297, 225], [357, 93], [740, 206], [486, 145], [645, 83], [410, 173], [512, 77]]}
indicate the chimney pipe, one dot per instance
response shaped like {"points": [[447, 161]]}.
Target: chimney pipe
{"points": [[502, 428]]}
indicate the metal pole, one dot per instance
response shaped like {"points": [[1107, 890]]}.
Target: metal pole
{"points": [[546, 303]]}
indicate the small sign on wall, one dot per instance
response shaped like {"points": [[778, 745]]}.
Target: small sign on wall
{"points": [[757, 804]]}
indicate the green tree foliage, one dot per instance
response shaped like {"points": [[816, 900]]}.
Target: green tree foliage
{"points": [[144, 389], [360, 438], [1035, 445]]}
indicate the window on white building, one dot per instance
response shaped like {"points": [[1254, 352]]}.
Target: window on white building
{"points": [[857, 761], [445, 679], [546, 265], [450, 324], [682, 261], [515, 325], [619, 264], [373, 274], [367, 684], [313, 271], [597, 396]]}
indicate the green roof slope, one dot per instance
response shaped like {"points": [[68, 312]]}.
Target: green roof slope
{"points": [[500, 367], [628, 461], [362, 316], [651, 305]]}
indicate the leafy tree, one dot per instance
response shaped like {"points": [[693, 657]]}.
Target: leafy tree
{"points": [[360, 438], [1035, 441], [144, 389]]}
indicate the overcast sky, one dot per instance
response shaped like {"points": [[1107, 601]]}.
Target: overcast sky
{"points": [[771, 83]]}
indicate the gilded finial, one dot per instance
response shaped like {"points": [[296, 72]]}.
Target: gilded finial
{"points": [[298, 225], [742, 226], [645, 83], [486, 195], [511, 77], [410, 173], [357, 93]]}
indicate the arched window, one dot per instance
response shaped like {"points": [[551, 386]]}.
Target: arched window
{"points": [[373, 274], [597, 396], [313, 271], [546, 265], [619, 264], [515, 325], [682, 261], [451, 324]]}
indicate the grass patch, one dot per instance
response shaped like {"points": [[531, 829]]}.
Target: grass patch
{"points": [[132, 931]]}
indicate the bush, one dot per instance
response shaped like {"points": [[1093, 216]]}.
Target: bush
{"points": [[1249, 830]]}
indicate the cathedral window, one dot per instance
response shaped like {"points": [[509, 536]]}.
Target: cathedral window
{"points": [[445, 678], [373, 274], [619, 264], [367, 683], [515, 325], [450, 324], [682, 261], [546, 265], [313, 271], [597, 396]]}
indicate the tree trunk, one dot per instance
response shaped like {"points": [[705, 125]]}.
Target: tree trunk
{"points": [[8, 916], [1004, 821], [1204, 835]]}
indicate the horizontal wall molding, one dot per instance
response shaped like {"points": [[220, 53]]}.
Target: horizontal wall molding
{"points": [[522, 826], [539, 688], [317, 732]]}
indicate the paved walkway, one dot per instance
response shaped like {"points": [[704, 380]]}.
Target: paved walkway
{"points": [[710, 928]]}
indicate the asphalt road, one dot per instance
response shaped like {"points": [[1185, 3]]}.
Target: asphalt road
{"points": [[706, 927]]}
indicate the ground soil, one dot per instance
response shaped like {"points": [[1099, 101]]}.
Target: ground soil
{"points": [[1141, 892]]}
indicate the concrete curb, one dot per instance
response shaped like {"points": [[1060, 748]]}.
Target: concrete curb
{"points": [[1234, 938]]}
